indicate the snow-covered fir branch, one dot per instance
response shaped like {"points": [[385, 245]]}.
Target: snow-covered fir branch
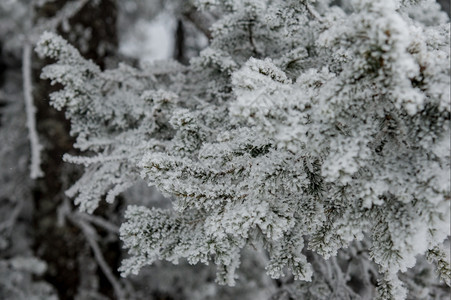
{"points": [[302, 126]]}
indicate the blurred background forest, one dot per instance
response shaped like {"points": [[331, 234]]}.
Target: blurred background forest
{"points": [[48, 250]]}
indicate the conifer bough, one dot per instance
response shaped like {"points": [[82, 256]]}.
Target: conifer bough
{"points": [[302, 127]]}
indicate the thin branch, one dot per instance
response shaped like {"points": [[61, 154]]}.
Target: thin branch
{"points": [[99, 222], [36, 147], [313, 12], [201, 21], [251, 40], [68, 11], [11, 220], [86, 161], [90, 235]]}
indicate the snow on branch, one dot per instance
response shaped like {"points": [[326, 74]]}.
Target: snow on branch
{"points": [[338, 133], [36, 147]]}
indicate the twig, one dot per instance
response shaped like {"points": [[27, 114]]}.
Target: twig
{"points": [[99, 222], [36, 147], [68, 11], [201, 21], [90, 235], [312, 12], [9, 223], [251, 40]]}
